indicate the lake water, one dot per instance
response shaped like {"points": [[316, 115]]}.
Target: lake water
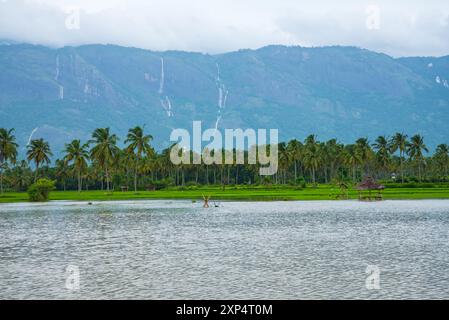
{"points": [[241, 250]]}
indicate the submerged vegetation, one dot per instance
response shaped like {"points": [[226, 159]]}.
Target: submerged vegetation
{"points": [[102, 164]]}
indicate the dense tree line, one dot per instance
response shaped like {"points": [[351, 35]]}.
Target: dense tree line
{"points": [[101, 164]]}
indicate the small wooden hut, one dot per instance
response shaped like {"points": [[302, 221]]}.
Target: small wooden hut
{"points": [[366, 188]]}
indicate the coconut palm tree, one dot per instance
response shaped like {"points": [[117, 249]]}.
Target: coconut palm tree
{"points": [[332, 155], [8, 151], [127, 160], [294, 147], [104, 150], [39, 151], [312, 156], [399, 142], [382, 147], [415, 151], [311, 139], [78, 154], [21, 176], [284, 160], [352, 158], [442, 157], [61, 172], [365, 152], [139, 143]]}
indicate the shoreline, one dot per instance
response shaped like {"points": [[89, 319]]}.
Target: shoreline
{"points": [[232, 194], [170, 201]]}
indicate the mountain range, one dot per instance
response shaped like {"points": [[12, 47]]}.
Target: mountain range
{"points": [[334, 92]]}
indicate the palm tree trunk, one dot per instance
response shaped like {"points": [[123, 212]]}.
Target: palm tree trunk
{"points": [[1, 181], [79, 180], [325, 174], [222, 177], [107, 178], [296, 170], [402, 168], [135, 180], [37, 171], [236, 174], [135, 174]]}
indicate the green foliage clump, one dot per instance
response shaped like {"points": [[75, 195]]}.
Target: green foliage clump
{"points": [[301, 182], [416, 185], [192, 185], [40, 191]]}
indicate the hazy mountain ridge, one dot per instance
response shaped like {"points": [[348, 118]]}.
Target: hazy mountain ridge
{"points": [[341, 92]]}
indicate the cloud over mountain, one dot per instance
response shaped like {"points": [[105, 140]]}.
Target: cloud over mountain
{"points": [[399, 28]]}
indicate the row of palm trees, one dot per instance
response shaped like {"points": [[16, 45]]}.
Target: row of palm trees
{"points": [[362, 158], [101, 163]]}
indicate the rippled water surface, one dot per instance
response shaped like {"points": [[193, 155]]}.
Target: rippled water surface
{"points": [[266, 250]]}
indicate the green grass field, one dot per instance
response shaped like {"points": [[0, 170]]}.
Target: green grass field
{"points": [[240, 193]]}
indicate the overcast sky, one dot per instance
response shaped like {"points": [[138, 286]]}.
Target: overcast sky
{"points": [[398, 28]]}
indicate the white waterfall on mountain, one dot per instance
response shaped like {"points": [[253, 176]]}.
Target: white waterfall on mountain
{"points": [[223, 104], [217, 122], [165, 101], [442, 81], [61, 92], [166, 104], [222, 96], [86, 86], [222, 91], [445, 83], [57, 68], [57, 71]]}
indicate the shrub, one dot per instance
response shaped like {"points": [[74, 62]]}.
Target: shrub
{"points": [[266, 181], [40, 191], [192, 184], [301, 182]]}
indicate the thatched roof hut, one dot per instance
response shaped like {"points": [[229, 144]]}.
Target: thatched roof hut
{"points": [[369, 184]]}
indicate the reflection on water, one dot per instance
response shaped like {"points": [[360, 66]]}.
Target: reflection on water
{"points": [[241, 250]]}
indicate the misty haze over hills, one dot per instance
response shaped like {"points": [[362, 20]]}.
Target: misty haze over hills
{"points": [[343, 92]]}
